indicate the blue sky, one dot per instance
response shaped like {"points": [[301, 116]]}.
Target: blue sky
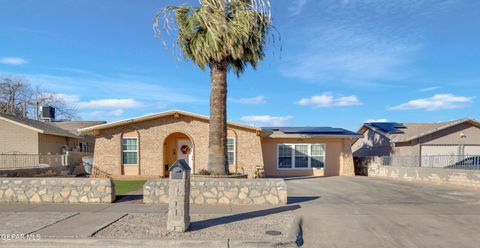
{"points": [[342, 62]]}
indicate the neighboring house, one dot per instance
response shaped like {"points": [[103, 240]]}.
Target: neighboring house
{"points": [[88, 141], [147, 145], [451, 138], [20, 135]]}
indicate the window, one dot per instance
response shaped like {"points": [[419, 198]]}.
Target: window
{"points": [[130, 150], [231, 151], [317, 156], [300, 156], [83, 147], [284, 156]]}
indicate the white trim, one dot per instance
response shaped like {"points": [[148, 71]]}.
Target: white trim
{"points": [[292, 146], [136, 151], [234, 150]]}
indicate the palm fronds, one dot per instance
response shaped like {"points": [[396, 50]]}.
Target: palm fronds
{"points": [[217, 30]]}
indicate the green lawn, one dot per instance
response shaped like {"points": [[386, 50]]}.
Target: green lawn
{"points": [[124, 186]]}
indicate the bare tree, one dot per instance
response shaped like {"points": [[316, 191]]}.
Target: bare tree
{"points": [[63, 109], [15, 94], [18, 97]]}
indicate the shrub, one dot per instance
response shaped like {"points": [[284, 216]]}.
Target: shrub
{"points": [[204, 172]]}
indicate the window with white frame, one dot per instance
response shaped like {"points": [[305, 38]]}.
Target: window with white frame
{"points": [[130, 150], [299, 156], [285, 153], [317, 155], [231, 150]]}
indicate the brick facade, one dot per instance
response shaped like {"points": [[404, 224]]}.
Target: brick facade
{"points": [[152, 135]]}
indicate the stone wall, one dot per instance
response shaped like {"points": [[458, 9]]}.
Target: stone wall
{"points": [[222, 191], [456, 177], [56, 190]]}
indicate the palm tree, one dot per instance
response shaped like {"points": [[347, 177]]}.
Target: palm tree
{"points": [[222, 35]]}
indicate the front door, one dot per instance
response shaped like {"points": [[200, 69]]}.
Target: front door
{"points": [[185, 151]]}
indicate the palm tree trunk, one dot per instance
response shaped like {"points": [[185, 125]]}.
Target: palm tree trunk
{"points": [[217, 143]]}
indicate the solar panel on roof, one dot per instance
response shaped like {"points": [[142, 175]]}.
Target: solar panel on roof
{"points": [[389, 127], [310, 130]]}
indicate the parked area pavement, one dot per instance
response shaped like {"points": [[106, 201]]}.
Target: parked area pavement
{"points": [[373, 212], [336, 212]]}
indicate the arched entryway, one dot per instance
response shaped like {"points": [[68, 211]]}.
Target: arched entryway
{"points": [[178, 146]]}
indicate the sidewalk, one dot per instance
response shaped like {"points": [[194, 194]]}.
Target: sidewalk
{"points": [[73, 225]]}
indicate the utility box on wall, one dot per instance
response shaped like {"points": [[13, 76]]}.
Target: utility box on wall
{"points": [[179, 197]]}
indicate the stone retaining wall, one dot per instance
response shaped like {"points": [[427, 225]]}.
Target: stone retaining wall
{"points": [[56, 190], [222, 191], [457, 177]]}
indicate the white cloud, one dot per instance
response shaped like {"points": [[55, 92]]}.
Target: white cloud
{"points": [[109, 103], [328, 100], [429, 88], [116, 112], [436, 102], [267, 120], [13, 61], [70, 99], [116, 104], [92, 85], [249, 101], [102, 115], [296, 6], [377, 120]]}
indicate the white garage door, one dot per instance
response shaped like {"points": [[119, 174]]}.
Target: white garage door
{"points": [[450, 156], [472, 150], [434, 150], [439, 155]]}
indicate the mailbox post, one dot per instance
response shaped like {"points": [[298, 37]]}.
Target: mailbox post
{"points": [[179, 197]]}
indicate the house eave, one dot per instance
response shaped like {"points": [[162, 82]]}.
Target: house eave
{"points": [[175, 112]]}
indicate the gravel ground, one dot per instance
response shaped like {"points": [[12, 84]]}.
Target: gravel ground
{"points": [[207, 227]]}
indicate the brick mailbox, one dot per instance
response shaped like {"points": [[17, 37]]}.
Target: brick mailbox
{"points": [[179, 197]]}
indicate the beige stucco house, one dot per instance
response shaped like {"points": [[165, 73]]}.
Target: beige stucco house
{"points": [[20, 135], [147, 145], [452, 138]]}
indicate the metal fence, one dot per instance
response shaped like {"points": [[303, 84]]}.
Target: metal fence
{"points": [[15, 161], [469, 162]]}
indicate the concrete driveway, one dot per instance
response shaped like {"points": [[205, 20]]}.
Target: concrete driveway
{"points": [[371, 212]]}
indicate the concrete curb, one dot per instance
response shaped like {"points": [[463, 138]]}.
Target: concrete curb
{"points": [[113, 243], [132, 243]]}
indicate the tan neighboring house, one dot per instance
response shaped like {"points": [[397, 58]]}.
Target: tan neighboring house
{"points": [[452, 138], [147, 145], [20, 135], [87, 142]]}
